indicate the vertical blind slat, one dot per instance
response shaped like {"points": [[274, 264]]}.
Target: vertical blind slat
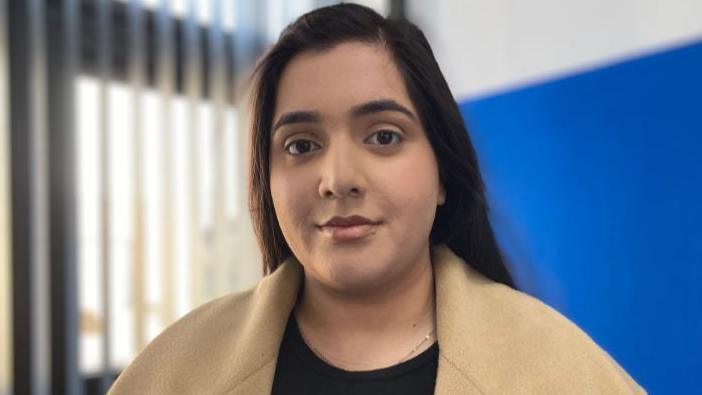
{"points": [[192, 76], [62, 54], [39, 196], [137, 78], [217, 86], [104, 73], [5, 283], [31, 338], [165, 79]]}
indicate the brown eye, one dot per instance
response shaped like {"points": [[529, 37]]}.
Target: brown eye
{"points": [[301, 146], [384, 137]]}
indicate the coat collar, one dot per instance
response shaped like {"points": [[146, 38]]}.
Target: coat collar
{"points": [[457, 303]]}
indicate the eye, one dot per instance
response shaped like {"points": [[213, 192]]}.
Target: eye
{"points": [[300, 146], [384, 137]]}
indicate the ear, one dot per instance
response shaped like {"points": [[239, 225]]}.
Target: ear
{"points": [[442, 194]]}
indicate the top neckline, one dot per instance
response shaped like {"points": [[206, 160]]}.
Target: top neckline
{"points": [[305, 353]]}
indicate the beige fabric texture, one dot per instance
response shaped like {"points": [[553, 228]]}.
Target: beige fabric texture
{"points": [[492, 340]]}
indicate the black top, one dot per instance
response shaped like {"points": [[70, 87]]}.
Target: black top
{"points": [[301, 371]]}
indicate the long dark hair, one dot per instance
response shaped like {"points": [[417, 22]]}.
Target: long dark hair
{"points": [[462, 221]]}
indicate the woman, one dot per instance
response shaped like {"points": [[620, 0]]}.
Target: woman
{"points": [[383, 274]]}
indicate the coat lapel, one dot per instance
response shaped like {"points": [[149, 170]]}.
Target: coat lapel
{"points": [[456, 328], [255, 366]]}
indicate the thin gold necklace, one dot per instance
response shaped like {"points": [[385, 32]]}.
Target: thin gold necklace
{"points": [[319, 354]]}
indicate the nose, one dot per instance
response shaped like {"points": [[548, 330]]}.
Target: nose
{"points": [[340, 174]]}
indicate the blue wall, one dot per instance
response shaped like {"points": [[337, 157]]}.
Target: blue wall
{"points": [[596, 188]]}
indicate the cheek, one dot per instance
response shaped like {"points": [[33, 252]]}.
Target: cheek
{"points": [[412, 184], [291, 200]]}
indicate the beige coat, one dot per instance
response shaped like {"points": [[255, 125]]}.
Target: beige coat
{"points": [[492, 340]]}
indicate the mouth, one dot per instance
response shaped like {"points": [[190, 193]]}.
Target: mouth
{"points": [[349, 228]]}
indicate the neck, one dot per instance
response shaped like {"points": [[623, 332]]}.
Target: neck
{"points": [[371, 329]]}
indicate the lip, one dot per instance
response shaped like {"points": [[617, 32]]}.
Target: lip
{"points": [[352, 220], [349, 228]]}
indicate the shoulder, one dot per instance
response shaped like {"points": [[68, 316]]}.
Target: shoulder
{"points": [[553, 351], [219, 345], [173, 360], [505, 340]]}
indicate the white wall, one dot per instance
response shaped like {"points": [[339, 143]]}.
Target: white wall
{"points": [[485, 46]]}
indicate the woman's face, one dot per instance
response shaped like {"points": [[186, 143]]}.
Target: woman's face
{"points": [[347, 141]]}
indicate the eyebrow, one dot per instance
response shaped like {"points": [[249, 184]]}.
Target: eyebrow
{"points": [[297, 117], [367, 108], [381, 105]]}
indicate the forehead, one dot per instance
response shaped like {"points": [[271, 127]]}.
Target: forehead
{"points": [[333, 80]]}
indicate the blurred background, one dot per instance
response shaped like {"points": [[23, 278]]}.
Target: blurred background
{"points": [[123, 168]]}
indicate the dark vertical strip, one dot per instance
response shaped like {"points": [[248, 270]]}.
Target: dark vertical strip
{"points": [[398, 9], [62, 54], [31, 352]]}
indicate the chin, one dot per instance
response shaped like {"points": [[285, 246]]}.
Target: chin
{"points": [[355, 277]]}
